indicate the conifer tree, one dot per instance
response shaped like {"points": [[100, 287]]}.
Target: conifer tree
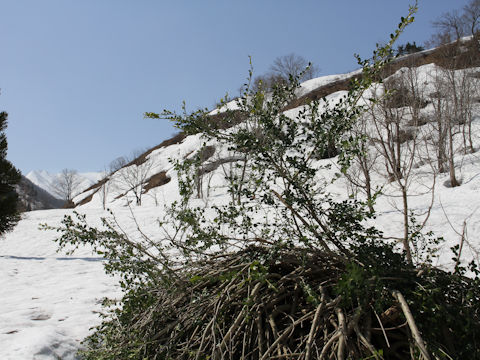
{"points": [[9, 176]]}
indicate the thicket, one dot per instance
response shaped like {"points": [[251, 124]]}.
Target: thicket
{"points": [[284, 269]]}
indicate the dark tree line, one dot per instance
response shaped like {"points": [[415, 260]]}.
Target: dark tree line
{"points": [[9, 177]]}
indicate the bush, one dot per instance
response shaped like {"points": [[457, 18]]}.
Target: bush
{"points": [[308, 280], [264, 301], [255, 304]]}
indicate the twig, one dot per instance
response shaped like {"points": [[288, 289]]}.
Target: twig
{"points": [[462, 240], [285, 334], [329, 343], [381, 325], [365, 342], [238, 321], [411, 323], [313, 328]]}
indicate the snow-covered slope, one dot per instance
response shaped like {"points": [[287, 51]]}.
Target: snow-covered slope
{"points": [[33, 197], [50, 300], [46, 180]]}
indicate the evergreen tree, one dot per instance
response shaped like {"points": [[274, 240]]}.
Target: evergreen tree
{"points": [[409, 48], [9, 176]]}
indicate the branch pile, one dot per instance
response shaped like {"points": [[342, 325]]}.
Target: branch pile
{"points": [[256, 304]]}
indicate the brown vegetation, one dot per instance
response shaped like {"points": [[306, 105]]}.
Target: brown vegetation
{"points": [[155, 181], [178, 138], [97, 185], [290, 307], [86, 200], [226, 120]]}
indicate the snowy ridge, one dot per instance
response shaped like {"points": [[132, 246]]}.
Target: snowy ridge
{"points": [[313, 84]]}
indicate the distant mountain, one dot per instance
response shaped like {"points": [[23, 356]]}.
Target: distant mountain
{"points": [[32, 197], [46, 180]]}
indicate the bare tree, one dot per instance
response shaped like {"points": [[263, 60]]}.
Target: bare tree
{"points": [[451, 24], [395, 116], [104, 187], [464, 88], [280, 71], [117, 164], [266, 82], [440, 127], [359, 175], [293, 65], [132, 175], [454, 25], [453, 103], [66, 184], [471, 16]]}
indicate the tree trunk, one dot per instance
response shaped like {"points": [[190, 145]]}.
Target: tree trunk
{"points": [[451, 164], [406, 242]]}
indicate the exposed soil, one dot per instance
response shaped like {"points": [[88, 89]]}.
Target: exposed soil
{"points": [[155, 181]]}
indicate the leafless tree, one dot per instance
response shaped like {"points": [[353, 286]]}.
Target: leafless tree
{"points": [[234, 170], [359, 174], [104, 187], [293, 65], [205, 153], [463, 90], [451, 23], [132, 178], [453, 102], [395, 119], [266, 82], [471, 16], [440, 127], [456, 24], [66, 184], [131, 174], [117, 164], [280, 71]]}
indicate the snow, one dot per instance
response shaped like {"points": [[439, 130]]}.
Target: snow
{"points": [[231, 105], [305, 87], [49, 300], [313, 84], [46, 180]]}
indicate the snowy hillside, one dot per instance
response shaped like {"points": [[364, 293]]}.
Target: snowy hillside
{"points": [[450, 210], [46, 180], [33, 197], [50, 300]]}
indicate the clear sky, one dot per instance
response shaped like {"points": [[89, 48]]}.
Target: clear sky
{"points": [[76, 76]]}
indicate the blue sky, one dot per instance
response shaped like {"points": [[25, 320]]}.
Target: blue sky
{"points": [[77, 76]]}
